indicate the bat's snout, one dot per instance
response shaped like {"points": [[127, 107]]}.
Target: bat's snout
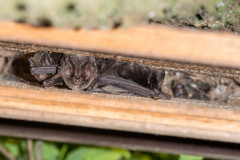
{"points": [[77, 80]]}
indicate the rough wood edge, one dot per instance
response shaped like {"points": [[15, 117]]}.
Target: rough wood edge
{"points": [[143, 41]]}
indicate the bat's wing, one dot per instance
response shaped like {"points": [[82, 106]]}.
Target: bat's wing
{"points": [[128, 85], [164, 95], [131, 87], [44, 69], [109, 63], [54, 80]]}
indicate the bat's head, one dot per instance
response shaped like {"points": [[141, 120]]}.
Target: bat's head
{"points": [[78, 71], [39, 60]]}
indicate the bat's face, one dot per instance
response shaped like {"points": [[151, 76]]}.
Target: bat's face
{"points": [[39, 60], [78, 71]]}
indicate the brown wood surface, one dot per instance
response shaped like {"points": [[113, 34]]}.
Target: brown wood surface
{"points": [[143, 41], [128, 114]]}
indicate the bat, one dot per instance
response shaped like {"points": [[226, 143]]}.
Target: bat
{"points": [[92, 74]]}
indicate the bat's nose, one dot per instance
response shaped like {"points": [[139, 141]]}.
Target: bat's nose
{"points": [[77, 80]]}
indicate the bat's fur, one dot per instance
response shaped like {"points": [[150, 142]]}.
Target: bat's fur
{"points": [[42, 59], [143, 75], [90, 73], [78, 71]]}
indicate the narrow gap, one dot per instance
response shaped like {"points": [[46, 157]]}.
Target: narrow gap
{"points": [[178, 84]]}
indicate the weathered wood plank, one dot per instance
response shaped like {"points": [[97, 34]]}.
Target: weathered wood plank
{"points": [[130, 114], [143, 41]]}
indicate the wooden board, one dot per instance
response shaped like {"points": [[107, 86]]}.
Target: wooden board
{"points": [[173, 118], [143, 41]]}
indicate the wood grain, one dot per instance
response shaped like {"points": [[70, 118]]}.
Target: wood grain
{"points": [[135, 115], [144, 41]]}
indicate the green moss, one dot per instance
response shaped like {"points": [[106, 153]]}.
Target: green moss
{"points": [[105, 14]]}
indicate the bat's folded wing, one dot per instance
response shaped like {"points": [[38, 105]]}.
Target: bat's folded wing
{"points": [[126, 85], [44, 69], [131, 87]]}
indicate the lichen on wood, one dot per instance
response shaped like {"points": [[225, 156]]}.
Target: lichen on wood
{"points": [[105, 14]]}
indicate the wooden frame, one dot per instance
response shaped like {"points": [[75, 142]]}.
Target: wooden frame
{"points": [[196, 46], [174, 118]]}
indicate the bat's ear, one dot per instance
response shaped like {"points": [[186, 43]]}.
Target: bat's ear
{"points": [[87, 68], [160, 80], [45, 59], [69, 66], [152, 78], [32, 63]]}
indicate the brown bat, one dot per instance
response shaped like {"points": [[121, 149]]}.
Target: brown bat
{"points": [[83, 73]]}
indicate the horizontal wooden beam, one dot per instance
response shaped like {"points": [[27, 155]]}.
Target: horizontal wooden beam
{"points": [[173, 118], [119, 139], [143, 41]]}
